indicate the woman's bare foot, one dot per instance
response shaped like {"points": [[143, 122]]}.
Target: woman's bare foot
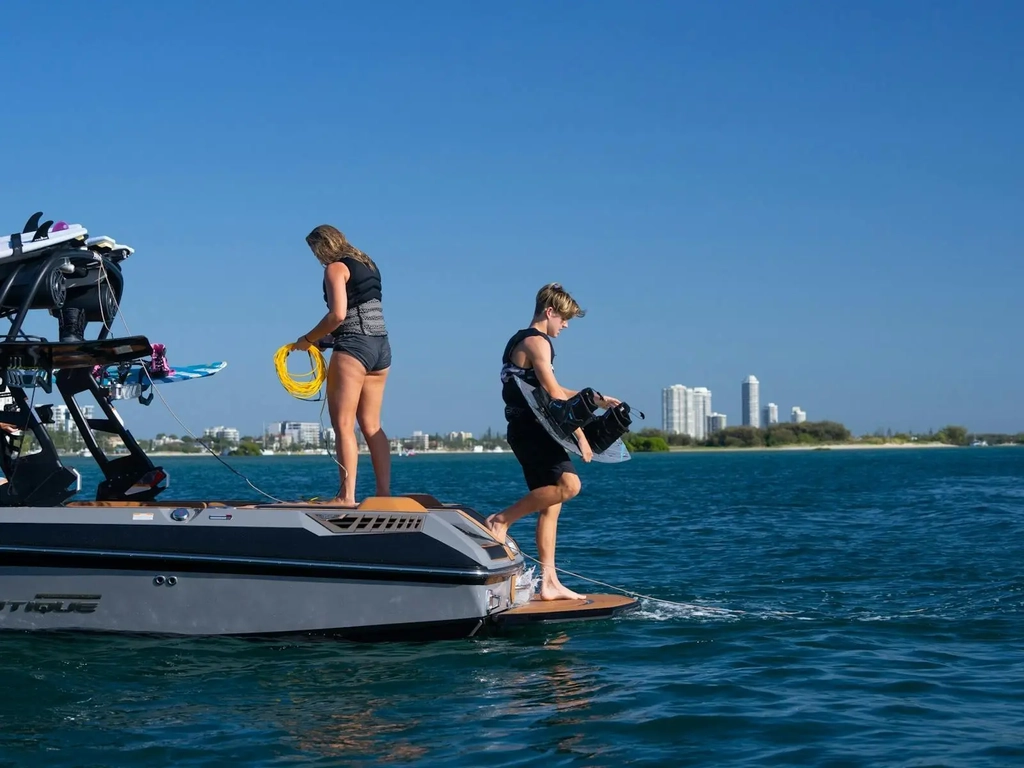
{"points": [[338, 501], [499, 531]]}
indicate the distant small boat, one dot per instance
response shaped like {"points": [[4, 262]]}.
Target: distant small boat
{"points": [[979, 444]]}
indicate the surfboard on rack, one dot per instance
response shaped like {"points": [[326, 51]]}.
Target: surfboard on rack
{"points": [[109, 246], [39, 239]]}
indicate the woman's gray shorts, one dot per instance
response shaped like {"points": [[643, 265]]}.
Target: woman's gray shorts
{"points": [[374, 352]]}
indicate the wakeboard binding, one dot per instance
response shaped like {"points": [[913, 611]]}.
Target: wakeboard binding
{"points": [[605, 429], [569, 415]]}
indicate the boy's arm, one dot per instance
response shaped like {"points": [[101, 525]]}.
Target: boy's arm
{"points": [[538, 352]]}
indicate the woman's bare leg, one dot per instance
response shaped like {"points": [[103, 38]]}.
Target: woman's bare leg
{"points": [[344, 385], [368, 414]]}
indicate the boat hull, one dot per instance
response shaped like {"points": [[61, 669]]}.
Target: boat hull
{"points": [[250, 571], [172, 602]]}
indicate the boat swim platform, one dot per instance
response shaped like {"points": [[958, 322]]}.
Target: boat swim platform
{"points": [[539, 611]]}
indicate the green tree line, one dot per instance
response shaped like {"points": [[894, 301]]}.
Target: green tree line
{"points": [[805, 433]]}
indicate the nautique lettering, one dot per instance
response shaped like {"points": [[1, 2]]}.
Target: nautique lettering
{"points": [[45, 603]]}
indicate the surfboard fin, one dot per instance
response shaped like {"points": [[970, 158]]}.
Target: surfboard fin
{"points": [[43, 231], [33, 222]]}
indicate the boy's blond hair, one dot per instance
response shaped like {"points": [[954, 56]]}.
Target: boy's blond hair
{"points": [[555, 296]]}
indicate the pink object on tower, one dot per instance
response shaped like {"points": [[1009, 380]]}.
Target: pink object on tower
{"points": [[158, 366]]}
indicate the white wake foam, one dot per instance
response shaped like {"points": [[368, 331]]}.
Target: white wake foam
{"points": [[526, 585]]}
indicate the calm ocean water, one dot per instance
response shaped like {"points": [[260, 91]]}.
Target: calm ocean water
{"points": [[838, 608]]}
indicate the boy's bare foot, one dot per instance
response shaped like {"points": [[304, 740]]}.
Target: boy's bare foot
{"points": [[499, 531], [559, 592], [552, 589]]}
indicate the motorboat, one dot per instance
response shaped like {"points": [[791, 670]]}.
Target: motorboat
{"points": [[132, 560]]}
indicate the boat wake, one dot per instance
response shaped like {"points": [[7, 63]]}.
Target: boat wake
{"points": [[654, 609]]}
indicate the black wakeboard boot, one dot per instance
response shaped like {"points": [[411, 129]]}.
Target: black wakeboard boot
{"points": [[608, 427], [569, 415], [71, 322]]}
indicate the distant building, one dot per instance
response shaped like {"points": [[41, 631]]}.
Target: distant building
{"points": [[460, 436], [701, 412], [751, 402], [296, 433], [769, 415], [228, 434], [685, 410], [797, 415], [716, 423], [420, 441], [673, 407], [62, 421]]}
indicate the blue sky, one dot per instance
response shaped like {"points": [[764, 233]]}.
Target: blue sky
{"points": [[827, 196]]}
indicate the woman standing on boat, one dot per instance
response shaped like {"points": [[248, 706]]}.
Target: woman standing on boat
{"points": [[358, 369]]}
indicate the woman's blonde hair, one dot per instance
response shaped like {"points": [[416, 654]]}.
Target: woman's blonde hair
{"points": [[555, 296], [329, 245]]}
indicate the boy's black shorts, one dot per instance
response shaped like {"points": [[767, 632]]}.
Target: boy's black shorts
{"points": [[543, 460]]}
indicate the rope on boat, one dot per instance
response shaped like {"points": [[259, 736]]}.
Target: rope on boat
{"points": [[170, 410], [628, 592]]}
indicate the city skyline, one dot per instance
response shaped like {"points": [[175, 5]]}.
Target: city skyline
{"points": [[687, 410]]}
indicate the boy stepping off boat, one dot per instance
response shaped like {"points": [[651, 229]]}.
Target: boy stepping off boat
{"points": [[547, 468]]}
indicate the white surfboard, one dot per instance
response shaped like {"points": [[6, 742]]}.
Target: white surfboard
{"points": [[28, 245], [613, 454], [105, 244]]}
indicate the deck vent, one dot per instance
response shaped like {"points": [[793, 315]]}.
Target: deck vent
{"points": [[374, 522]]}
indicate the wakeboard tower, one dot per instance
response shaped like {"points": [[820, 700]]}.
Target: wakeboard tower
{"points": [[60, 269]]}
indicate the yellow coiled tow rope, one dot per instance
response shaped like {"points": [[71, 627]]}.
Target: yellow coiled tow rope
{"points": [[304, 388]]}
